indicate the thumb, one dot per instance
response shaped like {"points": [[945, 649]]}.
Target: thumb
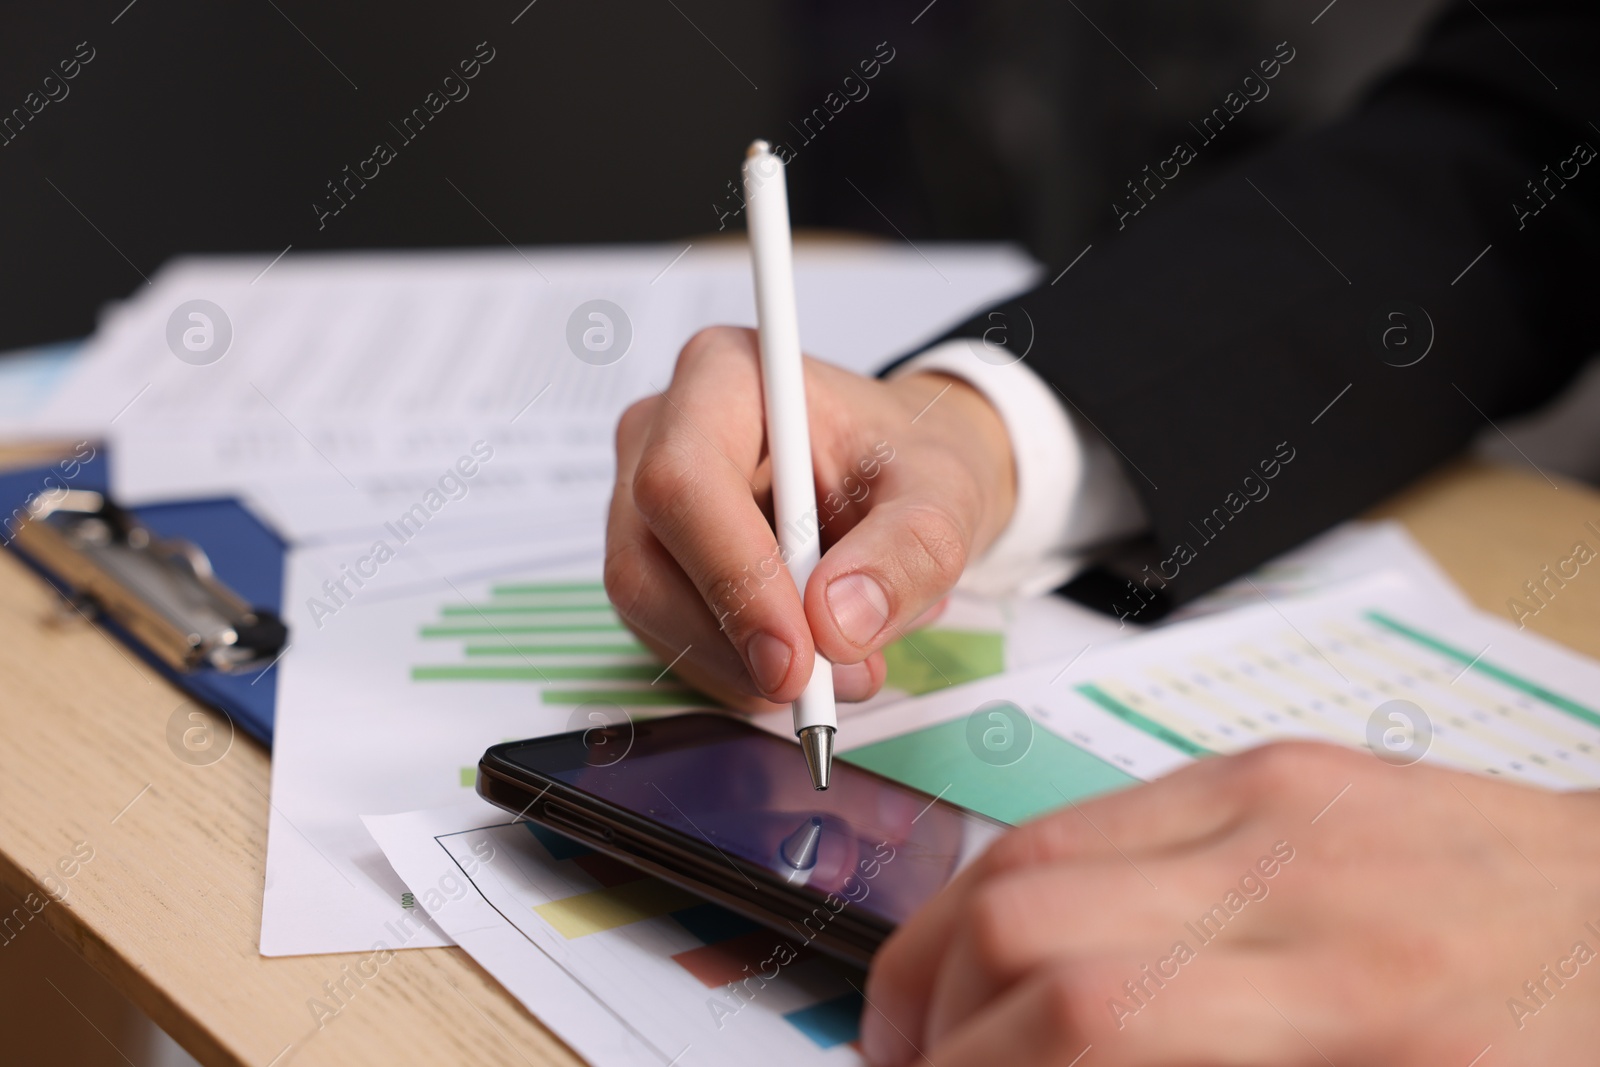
{"points": [[897, 562]]}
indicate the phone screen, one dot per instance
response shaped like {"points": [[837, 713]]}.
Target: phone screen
{"points": [[884, 847]]}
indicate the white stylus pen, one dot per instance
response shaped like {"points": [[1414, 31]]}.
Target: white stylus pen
{"points": [[783, 387]]}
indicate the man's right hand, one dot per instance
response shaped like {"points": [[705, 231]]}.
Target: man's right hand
{"points": [[914, 478]]}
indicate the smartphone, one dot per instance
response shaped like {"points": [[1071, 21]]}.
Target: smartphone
{"points": [[726, 810]]}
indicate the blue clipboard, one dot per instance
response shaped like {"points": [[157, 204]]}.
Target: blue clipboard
{"points": [[245, 555]]}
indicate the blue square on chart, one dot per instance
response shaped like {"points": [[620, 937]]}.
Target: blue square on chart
{"points": [[833, 1022]]}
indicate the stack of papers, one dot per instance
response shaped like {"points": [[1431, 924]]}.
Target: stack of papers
{"points": [[332, 392], [432, 435], [632, 971]]}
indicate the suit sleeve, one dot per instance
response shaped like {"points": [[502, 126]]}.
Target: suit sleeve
{"points": [[1273, 349]]}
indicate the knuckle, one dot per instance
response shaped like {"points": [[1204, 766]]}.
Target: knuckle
{"points": [[624, 578], [1004, 854], [1286, 767], [663, 484], [727, 599], [1050, 838], [635, 421], [993, 928], [706, 342], [1058, 836], [1069, 1002], [1018, 848], [941, 544]]}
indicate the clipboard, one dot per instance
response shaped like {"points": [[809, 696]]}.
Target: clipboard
{"points": [[194, 588]]}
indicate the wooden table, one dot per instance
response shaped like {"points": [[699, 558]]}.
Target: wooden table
{"points": [[169, 908]]}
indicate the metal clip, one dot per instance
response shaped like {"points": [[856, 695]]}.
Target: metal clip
{"points": [[161, 590]]}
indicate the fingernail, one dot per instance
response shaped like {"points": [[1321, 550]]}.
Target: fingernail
{"points": [[852, 681], [860, 608], [769, 660]]}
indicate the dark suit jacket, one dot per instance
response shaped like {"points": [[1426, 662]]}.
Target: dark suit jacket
{"points": [[1253, 345]]}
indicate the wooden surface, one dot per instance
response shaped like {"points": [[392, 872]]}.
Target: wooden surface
{"points": [[1494, 528], [169, 907]]}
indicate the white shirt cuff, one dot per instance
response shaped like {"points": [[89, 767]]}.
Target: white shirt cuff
{"points": [[1072, 494]]}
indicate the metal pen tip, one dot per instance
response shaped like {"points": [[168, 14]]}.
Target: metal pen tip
{"points": [[799, 849], [817, 743]]}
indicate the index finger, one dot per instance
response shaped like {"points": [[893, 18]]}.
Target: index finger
{"points": [[694, 488], [1192, 805]]}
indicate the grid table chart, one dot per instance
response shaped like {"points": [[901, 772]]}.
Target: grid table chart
{"points": [[1325, 679]]}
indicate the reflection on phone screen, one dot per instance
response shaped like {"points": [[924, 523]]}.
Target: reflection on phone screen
{"points": [[878, 845]]}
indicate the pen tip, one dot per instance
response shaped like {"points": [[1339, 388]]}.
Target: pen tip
{"points": [[757, 147], [799, 849], [817, 743]]}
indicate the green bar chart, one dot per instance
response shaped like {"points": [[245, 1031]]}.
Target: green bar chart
{"points": [[563, 637]]}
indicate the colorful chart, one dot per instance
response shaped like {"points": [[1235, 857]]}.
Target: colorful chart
{"points": [[728, 948], [934, 658], [565, 638]]}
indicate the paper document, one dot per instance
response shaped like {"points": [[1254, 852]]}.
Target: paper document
{"points": [[456, 646], [1469, 692], [628, 970], [331, 389], [391, 692], [1383, 664], [1345, 553]]}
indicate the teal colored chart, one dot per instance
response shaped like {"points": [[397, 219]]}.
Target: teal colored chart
{"points": [[937, 758]]}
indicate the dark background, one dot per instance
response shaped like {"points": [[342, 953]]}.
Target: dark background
{"points": [[202, 127]]}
